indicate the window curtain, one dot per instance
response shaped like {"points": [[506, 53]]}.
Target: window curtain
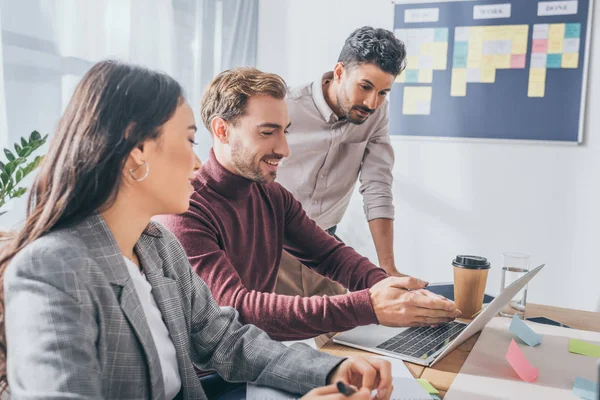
{"points": [[48, 45]]}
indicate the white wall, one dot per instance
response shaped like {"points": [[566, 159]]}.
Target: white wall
{"points": [[457, 197]]}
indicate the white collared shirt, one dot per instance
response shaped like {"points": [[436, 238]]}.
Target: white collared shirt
{"points": [[160, 333], [328, 156]]}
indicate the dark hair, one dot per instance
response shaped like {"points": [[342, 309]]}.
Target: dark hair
{"points": [[227, 95], [368, 45], [115, 108]]}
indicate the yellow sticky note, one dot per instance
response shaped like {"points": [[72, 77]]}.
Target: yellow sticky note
{"points": [[417, 100], [520, 30], [488, 75], [427, 386], [440, 55], [502, 61], [582, 347], [492, 33], [458, 88], [412, 62], [401, 78], [519, 45], [426, 49], [476, 33], [556, 37], [488, 61], [536, 89], [425, 76], [570, 60], [537, 75]]}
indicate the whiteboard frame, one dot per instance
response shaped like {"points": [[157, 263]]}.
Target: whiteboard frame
{"points": [[583, 100]]}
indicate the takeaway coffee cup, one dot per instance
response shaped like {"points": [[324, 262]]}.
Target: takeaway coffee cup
{"points": [[470, 277]]}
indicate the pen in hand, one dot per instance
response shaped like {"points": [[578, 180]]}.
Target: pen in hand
{"points": [[345, 389]]}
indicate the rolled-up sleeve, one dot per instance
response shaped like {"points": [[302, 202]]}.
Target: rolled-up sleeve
{"points": [[376, 172]]}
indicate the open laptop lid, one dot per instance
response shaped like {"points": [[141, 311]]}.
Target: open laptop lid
{"points": [[489, 312]]}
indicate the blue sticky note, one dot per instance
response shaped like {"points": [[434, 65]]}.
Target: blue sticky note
{"points": [[459, 61], [572, 31], [461, 48], [441, 35], [434, 397], [412, 76], [554, 61], [524, 332], [585, 389]]}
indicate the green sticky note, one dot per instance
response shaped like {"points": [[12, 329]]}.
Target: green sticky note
{"points": [[577, 346], [427, 386]]}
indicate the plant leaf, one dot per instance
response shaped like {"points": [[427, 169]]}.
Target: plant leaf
{"points": [[4, 177], [24, 142], [35, 135], [10, 168], [18, 149], [18, 193], [9, 155], [2, 166], [19, 175], [2, 212]]}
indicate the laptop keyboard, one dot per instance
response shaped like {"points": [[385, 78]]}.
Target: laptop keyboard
{"points": [[423, 341]]}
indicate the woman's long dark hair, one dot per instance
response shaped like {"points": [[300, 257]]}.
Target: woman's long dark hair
{"points": [[115, 108]]}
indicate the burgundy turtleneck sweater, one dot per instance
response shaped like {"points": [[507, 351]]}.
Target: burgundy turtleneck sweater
{"points": [[234, 233]]}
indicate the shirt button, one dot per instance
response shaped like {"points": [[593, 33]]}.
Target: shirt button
{"points": [[315, 201]]}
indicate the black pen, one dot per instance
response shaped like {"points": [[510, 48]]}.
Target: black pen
{"points": [[345, 389]]}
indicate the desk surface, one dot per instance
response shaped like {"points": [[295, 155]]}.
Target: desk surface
{"points": [[443, 373]]}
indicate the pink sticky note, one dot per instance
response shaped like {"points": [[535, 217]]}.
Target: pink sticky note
{"points": [[520, 364], [539, 46], [517, 61]]}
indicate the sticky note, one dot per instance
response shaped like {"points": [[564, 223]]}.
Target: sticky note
{"points": [[473, 75], [556, 31], [582, 347], [585, 389], [440, 54], [427, 386], [425, 76], [539, 60], [461, 34], [540, 31], [517, 61], [524, 332], [461, 48], [556, 36], [423, 107], [502, 61], [537, 75], [400, 78], [425, 62], [441, 35], [572, 31], [488, 74], [536, 89], [539, 46], [571, 45], [416, 100], [426, 49], [434, 397], [412, 62], [519, 45], [520, 364], [570, 60], [458, 87], [554, 61], [412, 75]]}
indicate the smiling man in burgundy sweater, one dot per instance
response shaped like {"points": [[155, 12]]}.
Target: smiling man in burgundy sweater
{"points": [[240, 220]]}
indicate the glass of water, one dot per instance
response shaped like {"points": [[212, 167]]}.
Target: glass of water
{"points": [[515, 266]]}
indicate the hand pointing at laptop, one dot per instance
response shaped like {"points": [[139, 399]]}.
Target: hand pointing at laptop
{"points": [[403, 302]]}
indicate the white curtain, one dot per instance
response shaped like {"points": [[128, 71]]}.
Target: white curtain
{"points": [[48, 45]]}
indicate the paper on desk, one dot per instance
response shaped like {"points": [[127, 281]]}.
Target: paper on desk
{"points": [[520, 364], [524, 332], [405, 386], [487, 375], [585, 389], [582, 347]]}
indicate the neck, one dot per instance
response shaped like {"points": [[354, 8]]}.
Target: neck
{"points": [[127, 222], [330, 94], [219, 151]]}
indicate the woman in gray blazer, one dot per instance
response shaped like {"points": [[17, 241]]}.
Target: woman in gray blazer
{"points": [[100, 302]]}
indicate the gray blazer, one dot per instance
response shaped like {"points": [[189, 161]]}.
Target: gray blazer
{"points": [[75, 327]]}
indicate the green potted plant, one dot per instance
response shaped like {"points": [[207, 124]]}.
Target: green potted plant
{"points": [[16, 167]]}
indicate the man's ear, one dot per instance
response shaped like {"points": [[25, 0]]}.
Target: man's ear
{"points": [[338, 71], [219, 127]]}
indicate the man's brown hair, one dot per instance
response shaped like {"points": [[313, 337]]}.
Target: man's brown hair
{"points": [[226, 96]]}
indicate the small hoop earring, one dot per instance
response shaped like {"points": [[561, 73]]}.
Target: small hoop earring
{"points": [[132, 170]]}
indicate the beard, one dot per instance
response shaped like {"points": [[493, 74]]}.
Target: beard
{"points": [[346, 106], [248, 166]]}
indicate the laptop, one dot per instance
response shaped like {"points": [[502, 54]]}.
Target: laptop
{"points": [[426, 345]]}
